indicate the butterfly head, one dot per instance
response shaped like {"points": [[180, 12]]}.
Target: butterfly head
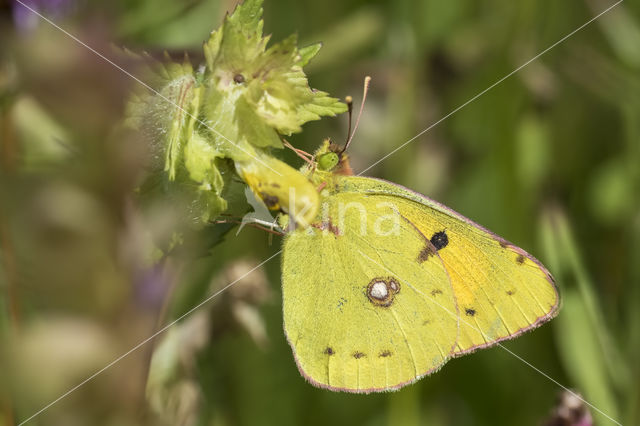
{"points": [[332, 159]]}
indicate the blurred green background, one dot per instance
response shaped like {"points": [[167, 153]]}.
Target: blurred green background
{"points": [[549, 159]]}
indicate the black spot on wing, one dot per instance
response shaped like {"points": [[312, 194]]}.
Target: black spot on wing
{"points": [[470, 312], [271, 201], [520, 259], [329, 351], [358, 355], [385, 354], [439, 240]]}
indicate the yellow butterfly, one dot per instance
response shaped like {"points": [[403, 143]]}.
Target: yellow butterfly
{"points": [[386, 285], [381, 285]]}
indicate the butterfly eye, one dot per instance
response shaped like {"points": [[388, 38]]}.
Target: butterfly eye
{"points": [[328, 161]]}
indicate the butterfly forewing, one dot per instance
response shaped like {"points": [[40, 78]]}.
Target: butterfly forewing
{"points": [[500, 290]]}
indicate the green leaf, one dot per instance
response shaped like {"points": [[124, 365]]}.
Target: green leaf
{"points": [[167, 115], [234, 108], [307, 53], [582, 355], [587, 347], [169, 118], [268, 86]]}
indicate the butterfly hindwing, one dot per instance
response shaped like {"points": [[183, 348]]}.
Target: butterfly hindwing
{"points": [[353, 322]]}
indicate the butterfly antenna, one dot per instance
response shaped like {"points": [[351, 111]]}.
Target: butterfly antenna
{"points": [[367, 80], [349, 101]]}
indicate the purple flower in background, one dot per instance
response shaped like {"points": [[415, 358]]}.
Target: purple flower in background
{"points": [[151, 286], [26, 20]]}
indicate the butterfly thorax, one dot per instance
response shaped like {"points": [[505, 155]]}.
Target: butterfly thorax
{"points": [[329, 165]]}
